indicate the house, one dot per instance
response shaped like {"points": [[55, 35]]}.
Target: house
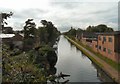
{"points": [[95, 45], [17, 41], [87, 37], [6, 38], [13, 40], [7, 30], [109, 45]]}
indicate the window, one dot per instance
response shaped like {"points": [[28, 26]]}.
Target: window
{"points": [[109, 51], [104, 49], [100, 38], [96, 46], [104, 39], [110, 39], [100, 47]]}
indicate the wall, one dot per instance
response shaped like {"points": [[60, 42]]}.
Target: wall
{"points": [[94, 44], [110, 47]]}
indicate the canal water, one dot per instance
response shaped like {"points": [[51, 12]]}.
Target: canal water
{"points": [[73, 62]]}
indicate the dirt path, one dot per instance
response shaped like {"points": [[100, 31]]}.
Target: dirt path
{"points": [[106, 67]]}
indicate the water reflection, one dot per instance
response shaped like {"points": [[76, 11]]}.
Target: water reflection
{"points": [[72, 61], [101, 74]]}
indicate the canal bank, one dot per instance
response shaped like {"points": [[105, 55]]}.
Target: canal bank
{"points": [[102, 64]]}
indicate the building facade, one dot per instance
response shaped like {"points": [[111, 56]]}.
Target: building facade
{"points": [[108, 45]]}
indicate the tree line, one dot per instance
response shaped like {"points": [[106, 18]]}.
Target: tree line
{"points": [[98, 28]]}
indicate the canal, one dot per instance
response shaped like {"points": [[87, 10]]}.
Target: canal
{"points": [[80, 68]]}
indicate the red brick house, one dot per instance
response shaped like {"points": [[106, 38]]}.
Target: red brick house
{"points": [[86, 37], [95, 45], [109, 45]]}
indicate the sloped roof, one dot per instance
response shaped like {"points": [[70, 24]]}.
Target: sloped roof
{"points": [[89, 35], [17, 37], [109, 33], [6, 35]]}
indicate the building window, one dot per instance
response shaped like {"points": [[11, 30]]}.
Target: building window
{"points": [[109, 51], [104, 49], [100, 47], [104, 39], [110, 39], [100, 38], [96, 46]]}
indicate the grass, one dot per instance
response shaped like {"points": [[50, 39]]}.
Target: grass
{"points": [[109, 61], [115, 65], [19, 68], [83, 51]]}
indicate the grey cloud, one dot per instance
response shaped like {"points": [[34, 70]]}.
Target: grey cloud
{"points": [[65, 5], [67, 14], [32, 13]]}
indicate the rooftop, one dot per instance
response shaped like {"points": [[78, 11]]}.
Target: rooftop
{"points": [[6, 35], [109, 33]]}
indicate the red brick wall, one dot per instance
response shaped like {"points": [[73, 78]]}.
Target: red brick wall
{"points": [[94, 43], [107, 45]]}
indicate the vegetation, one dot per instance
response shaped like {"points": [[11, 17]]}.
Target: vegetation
{"points": [[19, 68], [99, 28], [71, 32], [5, 16], [35, 63], [34, 37], [48, 33]]}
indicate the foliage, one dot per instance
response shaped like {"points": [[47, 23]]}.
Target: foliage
{"points": [[20, 69], [99, 28], [29, 34], [48, 33], [5, 16], [35, 64], [71, 32], [29, 28]]}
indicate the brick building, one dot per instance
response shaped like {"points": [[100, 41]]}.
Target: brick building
{"points": [[86, 37], [109, 45]]}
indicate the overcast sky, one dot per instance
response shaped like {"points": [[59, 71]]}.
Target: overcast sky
{"points": [[63, 13]]}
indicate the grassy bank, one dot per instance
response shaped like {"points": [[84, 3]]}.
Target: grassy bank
{"points": [[115, 65], [109, 61], [83, 51]]}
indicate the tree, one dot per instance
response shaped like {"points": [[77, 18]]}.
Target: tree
{"points": [[89, 28], [72, 32], [49, 32], [5, 16], [29, 28], [44, 22], [29, 34], [102, 28], [99, 28]]}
